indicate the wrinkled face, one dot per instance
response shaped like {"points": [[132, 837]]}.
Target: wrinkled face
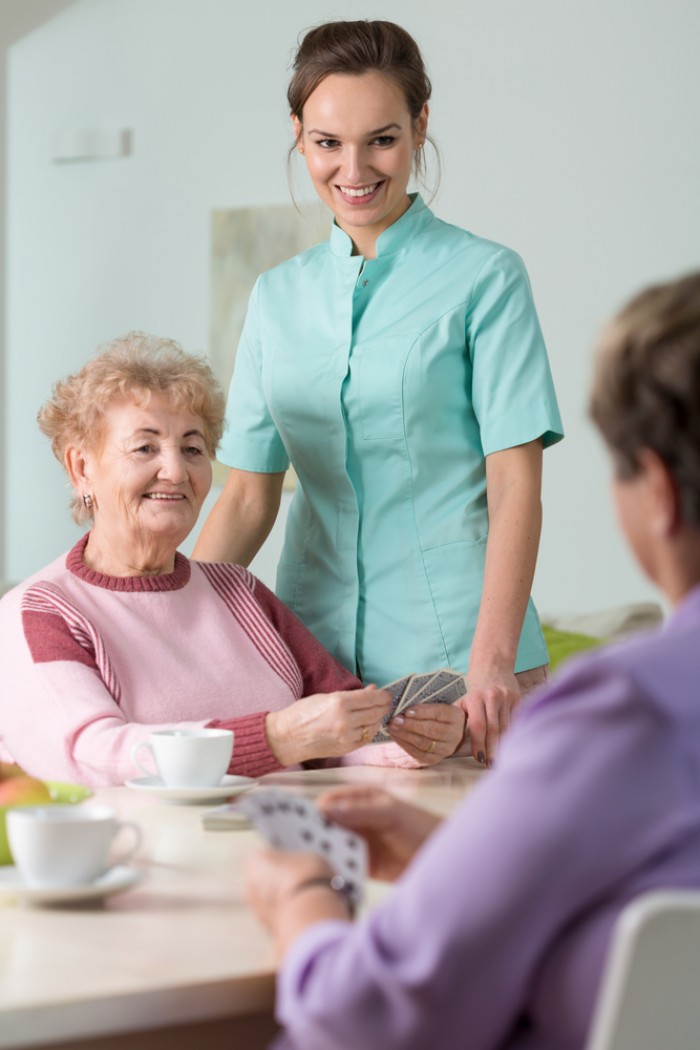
{"points": [[358, 140], [151, 473]]}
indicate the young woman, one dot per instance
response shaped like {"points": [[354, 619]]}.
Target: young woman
{"points": [[401, 368]]}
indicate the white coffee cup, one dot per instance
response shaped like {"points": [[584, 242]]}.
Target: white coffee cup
{"points": [[187, 758], [66, 845]]}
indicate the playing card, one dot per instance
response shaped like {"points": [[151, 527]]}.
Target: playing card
{"points": [[416, 684], [438, 683], [292, 822], [396, 690], [439, 687], [449, 693]]}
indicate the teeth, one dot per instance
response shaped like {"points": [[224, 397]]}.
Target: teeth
{"points": [[364, 192], [163, 495]]}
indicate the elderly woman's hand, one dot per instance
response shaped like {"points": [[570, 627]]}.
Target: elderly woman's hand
{"points": [[393, 829], [290, 891], [326, 725], [429, 732]]}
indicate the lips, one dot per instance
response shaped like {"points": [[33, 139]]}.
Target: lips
{"points": [[360, 194], [361, 191]]}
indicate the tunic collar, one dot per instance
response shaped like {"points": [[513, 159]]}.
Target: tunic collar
{"points": [[393, 238]]}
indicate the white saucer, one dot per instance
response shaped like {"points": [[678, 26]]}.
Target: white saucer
{"points": [[229, 786], [116, 880]]}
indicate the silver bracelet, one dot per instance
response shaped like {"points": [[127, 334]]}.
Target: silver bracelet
{"points": [[333, 882]]}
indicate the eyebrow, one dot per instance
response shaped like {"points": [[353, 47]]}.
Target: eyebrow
{"points": [[157, 433], [370, 134]]}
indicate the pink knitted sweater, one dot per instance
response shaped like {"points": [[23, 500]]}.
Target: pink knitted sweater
{"points": [[92, 664]]}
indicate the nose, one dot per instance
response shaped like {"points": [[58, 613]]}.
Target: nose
{"points": [[173, 467], [353, 165]]}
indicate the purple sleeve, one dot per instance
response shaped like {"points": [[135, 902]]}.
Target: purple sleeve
{"points": [[450, 958]]}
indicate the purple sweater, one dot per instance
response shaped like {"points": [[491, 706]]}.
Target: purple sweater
{"points": [[495, 937], [92, 664]]}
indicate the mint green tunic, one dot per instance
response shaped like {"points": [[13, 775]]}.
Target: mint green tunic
{"points": [[387, 382]]}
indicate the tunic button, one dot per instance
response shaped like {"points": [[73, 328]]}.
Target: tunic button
{"points": [[365, 283]]}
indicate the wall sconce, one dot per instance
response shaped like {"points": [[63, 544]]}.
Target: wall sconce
{"points": [[79, 144]]}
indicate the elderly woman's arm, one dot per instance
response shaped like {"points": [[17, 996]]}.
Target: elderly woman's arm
{"points": [[81, 690], [343, 724], [70, 709], [94, 665], [58, 719]]}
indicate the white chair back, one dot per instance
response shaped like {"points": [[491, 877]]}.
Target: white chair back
{"points": [[650, 991]]}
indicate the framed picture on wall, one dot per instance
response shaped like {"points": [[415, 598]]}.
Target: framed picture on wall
{"points": [[244, 243]]}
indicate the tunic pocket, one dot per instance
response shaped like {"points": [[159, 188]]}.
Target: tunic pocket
{"points": [[379, 403], [455, 575]]}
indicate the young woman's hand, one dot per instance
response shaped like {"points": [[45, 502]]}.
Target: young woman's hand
{"points": [[326, 725], [394, 829], [488, 705]]}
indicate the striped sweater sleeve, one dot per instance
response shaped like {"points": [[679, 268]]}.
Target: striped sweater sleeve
{"points": [[290, 649], [56, 631], [320, 672], [76, 664]]}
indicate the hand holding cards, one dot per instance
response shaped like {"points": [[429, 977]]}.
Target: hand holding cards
{"points": [[435, 687], [292, 822]]}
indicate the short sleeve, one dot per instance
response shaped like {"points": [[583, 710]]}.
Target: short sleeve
{"points": [[251, 441], [512, 387]]}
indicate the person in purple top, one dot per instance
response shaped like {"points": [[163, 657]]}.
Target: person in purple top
{"points": [[495, 934]]}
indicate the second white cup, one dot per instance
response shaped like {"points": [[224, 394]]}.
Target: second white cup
{"points": [[66, 845], [187, 758]]}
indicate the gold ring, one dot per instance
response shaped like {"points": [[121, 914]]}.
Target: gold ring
{"points": [[433, 745], [365, 736]]}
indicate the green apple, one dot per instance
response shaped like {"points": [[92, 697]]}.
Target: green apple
{"points": [[17, 788]]}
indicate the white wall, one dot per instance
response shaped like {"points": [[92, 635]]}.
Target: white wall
{"points": [[569, 131], [17, 17]]}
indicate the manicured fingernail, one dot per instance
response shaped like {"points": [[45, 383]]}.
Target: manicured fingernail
{"points": [[398, 721], [411, 713], [481, 757]]}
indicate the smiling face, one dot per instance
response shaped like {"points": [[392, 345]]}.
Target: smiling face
{"points": [[358, 139], [148, 479]]}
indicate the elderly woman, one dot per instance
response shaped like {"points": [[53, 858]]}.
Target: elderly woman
{"points": [[495, 935], [123, 634]]}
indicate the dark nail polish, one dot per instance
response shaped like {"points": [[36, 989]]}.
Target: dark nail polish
{"points": [[481, 757]]}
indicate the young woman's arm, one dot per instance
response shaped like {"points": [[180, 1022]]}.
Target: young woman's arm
{"points": [[242, 517], [513, 483]]}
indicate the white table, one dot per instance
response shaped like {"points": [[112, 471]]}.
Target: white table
{"points": [[180, 960]]}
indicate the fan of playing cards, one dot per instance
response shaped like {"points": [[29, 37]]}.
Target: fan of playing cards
{"points": [[289, 821], [435, 687]]}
